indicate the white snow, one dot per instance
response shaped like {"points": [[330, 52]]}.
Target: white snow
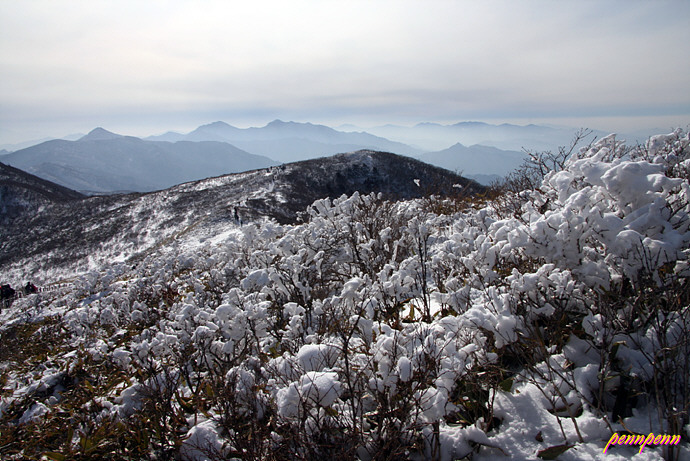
{"points": [[536, 318]]}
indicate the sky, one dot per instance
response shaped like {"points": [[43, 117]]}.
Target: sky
{"points": [[142, 68]]}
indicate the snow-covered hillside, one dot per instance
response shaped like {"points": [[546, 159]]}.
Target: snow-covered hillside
{"points": [[533, 325], [68, 238], [22, 193]]}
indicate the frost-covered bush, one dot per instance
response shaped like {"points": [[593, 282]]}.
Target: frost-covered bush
{"points": [[382, 330]]}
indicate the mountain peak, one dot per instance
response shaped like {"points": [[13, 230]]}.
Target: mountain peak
{"points": [[99, 134], [300, 127], [278, 122], [471, 124], [218, 124]]}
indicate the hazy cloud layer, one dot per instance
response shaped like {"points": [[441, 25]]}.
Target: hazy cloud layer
{"points": [[142, 67]]}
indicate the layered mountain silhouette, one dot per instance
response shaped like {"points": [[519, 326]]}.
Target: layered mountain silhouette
{"points": [[289, 141], [105, 162], [506, 136], [475, 160]]}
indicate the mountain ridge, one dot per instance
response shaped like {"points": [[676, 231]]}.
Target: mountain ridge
{"points": [[290, 141], [104, 162], [432, 136], [473, 160], [120, 227], [22, 193]]}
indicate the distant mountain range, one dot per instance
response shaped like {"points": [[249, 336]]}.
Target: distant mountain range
{"points": [[289, 141], [475, 160], [8, 148], [434, 136], [72, 231], [104, 162]]}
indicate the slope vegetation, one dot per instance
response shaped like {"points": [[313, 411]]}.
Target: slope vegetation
{"points": [[22, 193], [535, 325], [99, 230]]}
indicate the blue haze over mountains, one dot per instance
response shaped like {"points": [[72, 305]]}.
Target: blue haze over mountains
{"points": [[290, 141], [103, 162]]}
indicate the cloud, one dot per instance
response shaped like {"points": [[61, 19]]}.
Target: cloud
{"points": [[438, 59]]}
